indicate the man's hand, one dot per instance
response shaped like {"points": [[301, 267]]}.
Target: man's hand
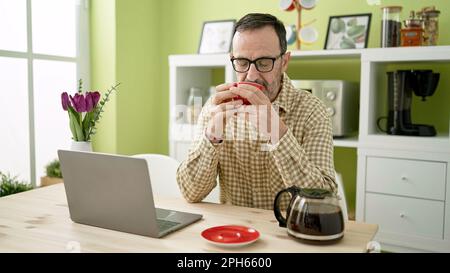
{"points": [[223, 107], [260, 113]]}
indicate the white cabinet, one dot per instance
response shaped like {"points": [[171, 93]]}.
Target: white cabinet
{"points": [[415, 178], [406, 193], [406, 216], [403, 183]]}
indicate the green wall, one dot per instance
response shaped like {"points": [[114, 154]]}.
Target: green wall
{"points": [[126, 49], [141, 102], [103, 69], [131, 42]]}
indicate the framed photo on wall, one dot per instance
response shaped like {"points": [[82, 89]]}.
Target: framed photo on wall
{"points": [[216, 37], [348, 31]]}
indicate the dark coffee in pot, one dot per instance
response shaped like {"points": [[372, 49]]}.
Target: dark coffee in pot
{"points": [[313, 214], [317, 220]]}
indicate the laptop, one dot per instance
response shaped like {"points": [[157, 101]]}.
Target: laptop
{"points": [[115, 192]]}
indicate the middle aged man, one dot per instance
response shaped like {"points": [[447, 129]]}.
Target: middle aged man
{"points": [[283, 138]]}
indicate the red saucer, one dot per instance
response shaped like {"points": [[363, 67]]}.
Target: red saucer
{"points": [[231, 235]]}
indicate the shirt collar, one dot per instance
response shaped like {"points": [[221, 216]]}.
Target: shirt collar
{"points": [[282, 99]]}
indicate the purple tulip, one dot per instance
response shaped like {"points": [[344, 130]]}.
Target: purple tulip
{"points": [[65, 101], [79, 103], [92, 99], [95, 97], [89, 102]]}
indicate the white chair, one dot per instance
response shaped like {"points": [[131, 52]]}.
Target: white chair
{"points": [[163, 174], [341, 193]]}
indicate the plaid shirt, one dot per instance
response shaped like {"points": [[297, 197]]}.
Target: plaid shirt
{"points": [[251, 172]]}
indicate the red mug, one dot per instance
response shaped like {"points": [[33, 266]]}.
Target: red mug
{"points": [[245, 101]]}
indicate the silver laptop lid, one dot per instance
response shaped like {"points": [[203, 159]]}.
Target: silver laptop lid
{"points": [[109, 191]]}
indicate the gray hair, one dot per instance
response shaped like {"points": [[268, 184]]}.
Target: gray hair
{"points": [[253, 21]]}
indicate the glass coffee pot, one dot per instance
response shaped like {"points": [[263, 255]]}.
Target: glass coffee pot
{"points": [[312, 214]]}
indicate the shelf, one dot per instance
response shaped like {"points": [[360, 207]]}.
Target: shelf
{"points": [[350, 142], [206, 60], [392, 54], [438, 144], [327, 54], [407, 54]]}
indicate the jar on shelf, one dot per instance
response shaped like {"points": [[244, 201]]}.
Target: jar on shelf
{"points": [[391, 26], [430, 18], [194, 104], [412, 33]]}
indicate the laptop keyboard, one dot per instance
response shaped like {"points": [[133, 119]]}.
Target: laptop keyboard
{"points": [[165, 225]]}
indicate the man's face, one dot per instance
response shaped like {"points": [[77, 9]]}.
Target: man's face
{"points": [[254, 44]]}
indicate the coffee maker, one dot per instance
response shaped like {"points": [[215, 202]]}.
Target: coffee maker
{"points": [[401, 85]]}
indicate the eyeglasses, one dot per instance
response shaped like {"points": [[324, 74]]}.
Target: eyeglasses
{"points": [[263, 64]]}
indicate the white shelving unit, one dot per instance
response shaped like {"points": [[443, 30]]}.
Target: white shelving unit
{"points": [[195, 70], [188, 71], [403, 183]]}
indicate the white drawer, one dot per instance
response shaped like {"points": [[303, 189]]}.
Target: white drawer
{"points": [[415, 178], [406, 216]]}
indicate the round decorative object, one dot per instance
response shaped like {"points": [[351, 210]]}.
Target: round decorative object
{"points": [[291, 34], [230, 235], [287, 5], [308, 4], [308, 35]]}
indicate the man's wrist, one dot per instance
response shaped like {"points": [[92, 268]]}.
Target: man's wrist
{"points": [[278, 134], [214, 139]]}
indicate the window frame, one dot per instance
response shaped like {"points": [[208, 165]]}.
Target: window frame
{"points": [[81, 60]]}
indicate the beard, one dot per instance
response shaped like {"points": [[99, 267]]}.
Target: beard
{"points": [[271, 89]]}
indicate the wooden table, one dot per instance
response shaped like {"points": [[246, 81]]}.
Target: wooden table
{"points": [[38, 221]]}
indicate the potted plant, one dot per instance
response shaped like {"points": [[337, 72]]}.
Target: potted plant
{"points": [[53, 174], [11, 185], [85, 110]]}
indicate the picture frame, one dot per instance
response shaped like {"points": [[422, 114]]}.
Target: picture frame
{"points": [[216, 37], [348, 31]]}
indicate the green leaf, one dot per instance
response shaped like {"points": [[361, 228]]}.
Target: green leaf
{"points": [[10, 185], [87, 123], [347, 43], [337, 25], [75, 119], [98, 110], [356, 31], [72, 128], [80, 85], [79, 136], [352, 22], [75, 114], [53, 169]]}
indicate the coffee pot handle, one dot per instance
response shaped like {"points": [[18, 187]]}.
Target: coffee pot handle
{"points": [[276, 205]]}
